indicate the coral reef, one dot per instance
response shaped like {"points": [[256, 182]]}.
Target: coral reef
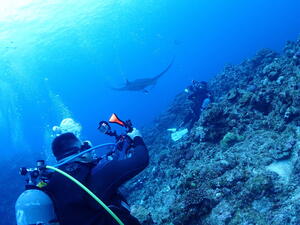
{"points": [[240, 162]]}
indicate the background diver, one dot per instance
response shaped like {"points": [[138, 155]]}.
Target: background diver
{"points": [[199, 98]]}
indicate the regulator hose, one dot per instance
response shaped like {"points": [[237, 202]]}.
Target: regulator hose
{"points": [[83, 152], [87, 191]]}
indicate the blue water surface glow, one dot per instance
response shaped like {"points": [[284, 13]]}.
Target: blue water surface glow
{"points": [[59, 58]]}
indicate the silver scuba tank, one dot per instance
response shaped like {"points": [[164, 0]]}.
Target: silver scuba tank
{"points": [[35, 207]]}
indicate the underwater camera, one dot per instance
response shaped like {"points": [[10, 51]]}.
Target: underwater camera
{"points": [[105, 128]]}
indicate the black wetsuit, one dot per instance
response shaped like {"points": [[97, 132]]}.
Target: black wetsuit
{"points": [[196, 95], [75, 207]]}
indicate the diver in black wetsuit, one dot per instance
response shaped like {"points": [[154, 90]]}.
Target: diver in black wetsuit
{"points": [[199, 97], [72, 205]]}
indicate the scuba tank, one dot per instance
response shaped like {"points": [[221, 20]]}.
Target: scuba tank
{"points": [[34, 206]]}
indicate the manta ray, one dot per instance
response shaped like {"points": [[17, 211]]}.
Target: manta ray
{"points": [[142, 84]]}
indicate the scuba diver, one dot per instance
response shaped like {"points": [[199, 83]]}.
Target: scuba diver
{"points": [[199, 98], [102, 176]]}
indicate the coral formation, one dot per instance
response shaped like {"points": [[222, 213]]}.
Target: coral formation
{"points": [[229, 139], [239, 164]]}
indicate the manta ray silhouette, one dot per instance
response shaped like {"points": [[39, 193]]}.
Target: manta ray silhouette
{"points": [[142, 84]]}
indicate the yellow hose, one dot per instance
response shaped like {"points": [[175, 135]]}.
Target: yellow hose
{"points": [[88, 191]]}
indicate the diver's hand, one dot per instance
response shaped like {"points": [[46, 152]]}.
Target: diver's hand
{"points": [[86, 145], [134, 133]]}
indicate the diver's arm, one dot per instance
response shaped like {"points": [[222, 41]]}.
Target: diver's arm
{"points": [[139, 154], [138, 161], [106, 179], [139, 151]]}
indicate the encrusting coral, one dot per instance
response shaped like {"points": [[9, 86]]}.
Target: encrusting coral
{"points": [[239, 164]]}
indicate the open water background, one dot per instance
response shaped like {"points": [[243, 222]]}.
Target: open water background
{"points": [[59, 59]]}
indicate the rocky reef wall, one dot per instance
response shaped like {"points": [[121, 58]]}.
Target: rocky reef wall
{"points": [[240, 162]]}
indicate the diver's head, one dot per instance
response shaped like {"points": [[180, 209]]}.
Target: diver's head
{"points": [[203, 84], [65, 145]]}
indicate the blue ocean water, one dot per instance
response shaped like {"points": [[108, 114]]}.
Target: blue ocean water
{"points": [[60, 59]]}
